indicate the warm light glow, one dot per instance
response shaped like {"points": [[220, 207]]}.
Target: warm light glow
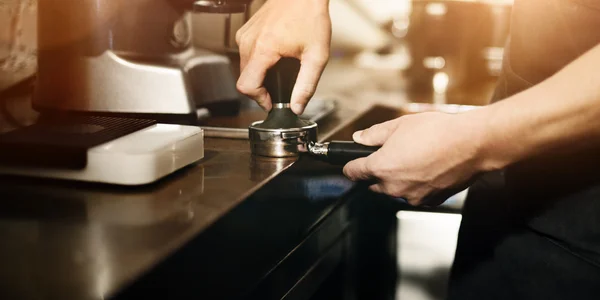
{"points": [[383, 11], [399, 60], [436, 9], [440, 82], [435, 63], [400, 27]]}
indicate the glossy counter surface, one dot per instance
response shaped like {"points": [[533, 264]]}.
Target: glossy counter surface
{"points": [[64, 240], [78, 241]]}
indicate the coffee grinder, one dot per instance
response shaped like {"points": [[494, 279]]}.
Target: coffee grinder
{"points": [[118, 86], [133, 57]]}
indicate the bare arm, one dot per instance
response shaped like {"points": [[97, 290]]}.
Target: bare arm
{"points": [[560, 114]]}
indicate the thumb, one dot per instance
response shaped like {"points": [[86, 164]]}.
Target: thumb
{"points": [[376, 135]]}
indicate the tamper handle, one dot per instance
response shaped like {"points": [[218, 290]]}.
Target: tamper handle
{"points": [[281, 78]]}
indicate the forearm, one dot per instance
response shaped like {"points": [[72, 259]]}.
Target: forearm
{"points": [[560, 114]]}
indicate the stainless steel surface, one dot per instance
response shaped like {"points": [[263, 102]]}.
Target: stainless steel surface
{"points": [[108, 83], [318, 149], [288, 142], [227, 133], [317, 110], [281, 105], [133, 57]]}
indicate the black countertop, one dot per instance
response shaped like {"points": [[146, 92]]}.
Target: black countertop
{"points": [[85, 241]]}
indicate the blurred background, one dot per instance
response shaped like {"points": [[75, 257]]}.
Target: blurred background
{"points": [[447, 51], [438, 52]]}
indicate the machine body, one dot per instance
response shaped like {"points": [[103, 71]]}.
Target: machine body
{"points": [[127, 57]]}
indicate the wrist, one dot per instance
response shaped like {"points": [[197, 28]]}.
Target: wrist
{"points": [[491, 146]]}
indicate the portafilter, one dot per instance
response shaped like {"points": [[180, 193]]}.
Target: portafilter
{"points": [[284, 134]]}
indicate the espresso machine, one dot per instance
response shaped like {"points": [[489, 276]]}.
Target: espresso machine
{"points": [[134, 57], [118, 88]]}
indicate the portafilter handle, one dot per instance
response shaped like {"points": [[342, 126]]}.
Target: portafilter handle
{"points": [[340, 152]]}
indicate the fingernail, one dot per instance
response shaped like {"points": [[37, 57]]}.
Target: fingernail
{"points": [[298, 108], [356, 136]]}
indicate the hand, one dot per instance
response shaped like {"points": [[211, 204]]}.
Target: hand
{"points": [[422, 155], [285, 28]]}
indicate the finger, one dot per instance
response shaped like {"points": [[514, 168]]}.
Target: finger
{"points": [[252, 77], [376, 135], [377, 188], [358, 170], [239, 34], [243, 40], [244, 56], [312, 67], [382, 189]]}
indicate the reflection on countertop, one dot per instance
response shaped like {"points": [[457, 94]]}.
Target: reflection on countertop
{"points": [[69, 240]]}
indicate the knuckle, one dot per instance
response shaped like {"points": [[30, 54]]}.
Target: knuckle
{"points": [[266, 43], [244, 88], [243, 39], [238, 36]]}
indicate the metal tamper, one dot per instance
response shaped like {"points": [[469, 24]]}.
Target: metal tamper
{"points": [[284, 134]]}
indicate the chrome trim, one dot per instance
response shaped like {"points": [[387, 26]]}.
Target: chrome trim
{"points": [[281, 105], [319, 149]]}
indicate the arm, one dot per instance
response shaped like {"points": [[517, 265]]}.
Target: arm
{"points": [[285, 28], [563, 112], [426, 153]]}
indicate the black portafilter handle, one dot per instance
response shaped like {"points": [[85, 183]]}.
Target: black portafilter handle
{"points": [[342, 152], [281, 78]]}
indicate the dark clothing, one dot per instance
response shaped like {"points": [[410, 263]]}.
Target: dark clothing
{"points": [[532, 231]]}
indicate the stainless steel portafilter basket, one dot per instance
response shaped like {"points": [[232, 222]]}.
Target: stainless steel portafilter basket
{"points": [[281, 142], [283, 134]]}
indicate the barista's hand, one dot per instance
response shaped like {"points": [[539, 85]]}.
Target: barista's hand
{"points": [[422, 154], [285, 28]]}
